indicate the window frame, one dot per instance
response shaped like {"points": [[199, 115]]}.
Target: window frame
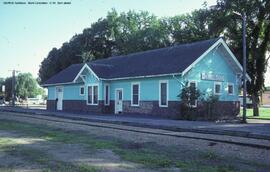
{"points": [[231, 84], [139, 90], [167, 93], [108, 103], [94, 94], [196, 86], [82, 86], [92, 90], [217, 83]]}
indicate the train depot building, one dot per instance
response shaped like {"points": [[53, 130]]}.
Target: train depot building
{"points": [[149, 82]]}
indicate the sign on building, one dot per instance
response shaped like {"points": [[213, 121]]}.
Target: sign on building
{"points": [[212, 76], [3, 88]]}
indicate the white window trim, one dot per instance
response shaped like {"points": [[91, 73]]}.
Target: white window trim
{"points": [[107, 104], [92, 94], [82, 86], [196, 101], [217, 83], [159, 102], [139, 91], [82, 69], [231, 84]]}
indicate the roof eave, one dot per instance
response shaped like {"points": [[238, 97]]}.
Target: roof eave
{"points": [[201, 56], [82, 69], [55, 84], [220, 41], [136, 77]]}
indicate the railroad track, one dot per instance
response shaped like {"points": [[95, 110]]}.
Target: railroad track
{"points": [[160, 132]]}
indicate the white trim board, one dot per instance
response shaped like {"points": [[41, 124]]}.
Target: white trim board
{"points": [[82, 86], [145, 76], [85, 66], [221, 88], [105, 85], [217, 43], [58, 84], [92, 85], [230, 84], [167, 92]]}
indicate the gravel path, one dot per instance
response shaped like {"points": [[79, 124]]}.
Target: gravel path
{"points": [[243, 153]]}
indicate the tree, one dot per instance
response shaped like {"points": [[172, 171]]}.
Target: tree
{"points": [[117, 34], [2, 82], [27, 86], [258, 37], [189, 95], [50, 65], [124, 33], [190, 27], [8, 87]]}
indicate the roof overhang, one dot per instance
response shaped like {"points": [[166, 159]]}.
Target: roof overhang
{"points": [[85, 66], [55, 84], [138, 77], [217, 44]]}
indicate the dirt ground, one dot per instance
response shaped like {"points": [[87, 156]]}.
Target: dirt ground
{"points": [[38, 145]]}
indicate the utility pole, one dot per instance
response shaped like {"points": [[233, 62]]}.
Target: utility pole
{"points": [[13, 88], [13, 93], [243, 16], [244, 69]]}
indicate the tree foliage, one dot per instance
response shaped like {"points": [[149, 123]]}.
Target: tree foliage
{"points": [[258, 37], [2, 82], [123, 33], [189, 95], [26, 86]]}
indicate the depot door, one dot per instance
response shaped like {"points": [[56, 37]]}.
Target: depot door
{"points": [[59, 98], [118, 101]]}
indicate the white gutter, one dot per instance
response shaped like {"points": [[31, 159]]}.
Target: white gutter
{"points": [[137, 77], [64, 83]]}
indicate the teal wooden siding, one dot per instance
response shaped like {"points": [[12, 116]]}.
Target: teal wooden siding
{"points": [[91, 79], [72, 92], [149, 88], [214, 63], [51, 93]]}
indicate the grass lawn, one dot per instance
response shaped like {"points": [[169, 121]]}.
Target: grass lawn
{"points": [[264, 113], [52, 149]]}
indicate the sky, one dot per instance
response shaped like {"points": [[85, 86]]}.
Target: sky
{"points": [[29, 32]]}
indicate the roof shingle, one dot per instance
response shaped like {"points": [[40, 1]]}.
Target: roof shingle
{"points": [[65, 76], [167, 60]]}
